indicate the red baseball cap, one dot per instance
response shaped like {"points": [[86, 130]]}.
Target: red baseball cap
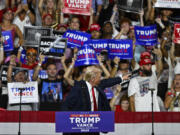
{"points": [[94, 27], [145, 55], [145, 61], [45, 15], [6, 10], [62, 25]]}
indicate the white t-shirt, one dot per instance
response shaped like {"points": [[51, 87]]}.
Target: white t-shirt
{"points": [[21, 24], [139, 86]]}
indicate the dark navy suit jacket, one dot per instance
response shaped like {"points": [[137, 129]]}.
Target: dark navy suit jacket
{"points": [[79, 100]]}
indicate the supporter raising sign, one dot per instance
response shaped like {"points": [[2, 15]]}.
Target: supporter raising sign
{"points": [[120, 48], [86, 56], [81, 7], [99, 45], [76, 38], [146, 35]]}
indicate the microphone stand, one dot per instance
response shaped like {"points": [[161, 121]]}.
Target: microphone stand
{"points": [[20, 89], [152, 106]]}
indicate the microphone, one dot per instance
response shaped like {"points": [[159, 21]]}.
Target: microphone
{"points": [[151, 89]]}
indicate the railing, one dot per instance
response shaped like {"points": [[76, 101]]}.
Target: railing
{"points": [[43, 122]]}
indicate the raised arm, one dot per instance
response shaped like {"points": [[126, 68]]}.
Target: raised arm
{"points": [[29, 13], [141, 15], [113, 100], [1, 53], [20, 35], [10, 68], [115, 68], [115, 10], [63, 63], [106, 72], [40, 6], [158, 62], [152, 12], [38, 67], [132, 103], [91, 18], [68, 72]]}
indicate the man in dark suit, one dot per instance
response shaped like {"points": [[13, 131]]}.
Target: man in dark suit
{"points": [[88, 94]]}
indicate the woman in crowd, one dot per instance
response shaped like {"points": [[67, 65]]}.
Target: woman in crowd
{"points": [[123, 105], [50, 8], [31, 58], [172, 100], [7, 25]]}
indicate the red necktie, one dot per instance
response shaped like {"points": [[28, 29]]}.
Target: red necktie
{"points": [[94, 100]]}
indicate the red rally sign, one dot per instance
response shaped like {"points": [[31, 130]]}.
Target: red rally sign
{"points": [[81, 7], [177, 33]]}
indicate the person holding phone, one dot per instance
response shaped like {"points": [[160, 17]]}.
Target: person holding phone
{"points": [[24, 16]]}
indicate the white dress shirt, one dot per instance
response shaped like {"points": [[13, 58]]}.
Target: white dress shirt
{"points": [[91, 96]]}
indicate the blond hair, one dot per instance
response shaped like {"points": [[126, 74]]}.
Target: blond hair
{"points": [[91, 73]]}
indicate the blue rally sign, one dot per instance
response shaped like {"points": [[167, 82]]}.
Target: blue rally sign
{"points": [[146, 35], [8, 41], [78, 122], [98, 44], [120, 48], [76, 38], [86, 56]]}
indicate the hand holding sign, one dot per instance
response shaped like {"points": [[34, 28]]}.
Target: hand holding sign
{"points": [[116, 60], [77, 7]]}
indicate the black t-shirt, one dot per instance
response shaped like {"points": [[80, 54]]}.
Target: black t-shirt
{"points": [[51, 94]]}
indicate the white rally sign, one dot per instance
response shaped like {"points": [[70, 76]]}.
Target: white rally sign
{"points": [[29, 92], [168, 3]]}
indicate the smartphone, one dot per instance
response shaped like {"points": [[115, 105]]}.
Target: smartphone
{"points": [[24, 1], [104, 54]]}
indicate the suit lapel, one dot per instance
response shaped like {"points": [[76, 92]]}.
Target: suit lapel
{"points": [[86, 96]]}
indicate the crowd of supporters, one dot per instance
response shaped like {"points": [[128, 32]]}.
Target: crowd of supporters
{"points": [[153, 68]]}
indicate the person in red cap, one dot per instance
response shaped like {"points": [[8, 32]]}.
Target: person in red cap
{"points": [[145, 55], [140, 86], [95, 31], [62, 28], [47, 20]]}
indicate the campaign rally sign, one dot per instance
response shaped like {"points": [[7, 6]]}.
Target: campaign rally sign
{"points": [[81, 7], [52, 47], [86, 56], [80, 122], [177, 33], [130, 5], [146, 35], [8, 41], [167, 3], [28, 91], [98, 44], [121, 48], [42, 74], [51, 92], [76, 38], [3, 76], [32, 34]]}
